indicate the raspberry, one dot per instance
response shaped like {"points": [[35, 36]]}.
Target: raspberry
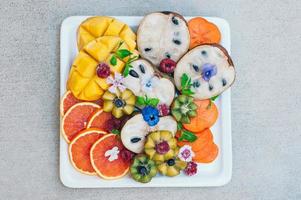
{"points": [[163, 109], [167, 65], [103, 70], [191, 169], [126, 155], [162, 147]]}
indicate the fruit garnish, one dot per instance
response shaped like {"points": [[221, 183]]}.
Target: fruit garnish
{"points": [[183, 108], [76, 119], [191, 169], [126, 155], [79, 150], [160, 146], [150, 115], [185, 153], [171, 167], [167, 65], [120, 103], [103, 70], [106, 159], [143, 169], [163, 109], [116, 83], [145, 101]]}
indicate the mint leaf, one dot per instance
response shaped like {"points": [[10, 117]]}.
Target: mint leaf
{"points": [[214, 98], [153, 102], [126, 70], [113, 60], [122, 53], [186, 85], [115, 131], [179, 126], [140, 101], [187, 136]]}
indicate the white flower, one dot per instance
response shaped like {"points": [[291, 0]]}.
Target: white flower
{"points": [[116, 83], [186, 153], [112, 154]]}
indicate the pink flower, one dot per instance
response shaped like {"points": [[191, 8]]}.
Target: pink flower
{"points": [[116, 83], [191, 169], [186, 153]]}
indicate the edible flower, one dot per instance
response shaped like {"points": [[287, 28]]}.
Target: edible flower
{"points": [[150, 115], [186, 153], [112, 154], [149, 83], [116, 83], [208, 70]]}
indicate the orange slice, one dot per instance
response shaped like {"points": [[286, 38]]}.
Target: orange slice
{"points": [[67, 101], [76, 119], [106, 158], [79, 150], [100, 120]]}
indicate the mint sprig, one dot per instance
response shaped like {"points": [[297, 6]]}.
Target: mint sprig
{"points": [[185, 135], [145, 101], [186, 85], [115, 131], [121, 54]]}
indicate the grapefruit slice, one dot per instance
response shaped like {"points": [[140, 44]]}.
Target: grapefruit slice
{"points": [[207, 154], [106, 159], [67, 101], [76, 119], [100, 120], [79, 150]]}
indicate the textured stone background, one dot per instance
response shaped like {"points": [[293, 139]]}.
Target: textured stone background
{"points": [[266, 43]]}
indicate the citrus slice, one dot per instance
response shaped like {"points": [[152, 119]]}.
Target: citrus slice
{"points": [[106, 159], [76, 119], [100, 120], [67, 101], [207, 154], [79, 150]]}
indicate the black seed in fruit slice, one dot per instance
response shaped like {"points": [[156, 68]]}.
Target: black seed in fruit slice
{"points": [[135, 140], [196, 68], [224, 82], [171, 162], [204, 53], [134, 74], [174, 20], [147, 49], [142, 69], [210, 87], [196, 84], [178, 42], [167, 55]]}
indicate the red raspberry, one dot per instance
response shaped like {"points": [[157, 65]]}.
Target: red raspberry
{"points": [[126, 155], [163, 109], [167, 65], [191, 169], [162, 147], [103, 70]]}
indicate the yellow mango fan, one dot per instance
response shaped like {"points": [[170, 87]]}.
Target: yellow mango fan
{"points": [[84, 81], [98, 26]]}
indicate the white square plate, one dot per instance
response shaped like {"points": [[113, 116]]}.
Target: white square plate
{"points": [[216, 173]]}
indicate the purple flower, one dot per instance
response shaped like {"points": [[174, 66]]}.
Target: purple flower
{"points": [[208, 70]]}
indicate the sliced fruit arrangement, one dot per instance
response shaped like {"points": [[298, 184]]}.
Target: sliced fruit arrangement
{"points": [[76, 119], [202, 32], [106, 157], [210, 69], [144, 116], [93, 64], [143, 81], [143, 169], [95, 27], [136, 129], [169, 40], [79, 150]]}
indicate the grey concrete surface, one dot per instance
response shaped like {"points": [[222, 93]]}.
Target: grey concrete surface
{"points": [[266, 105]]}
